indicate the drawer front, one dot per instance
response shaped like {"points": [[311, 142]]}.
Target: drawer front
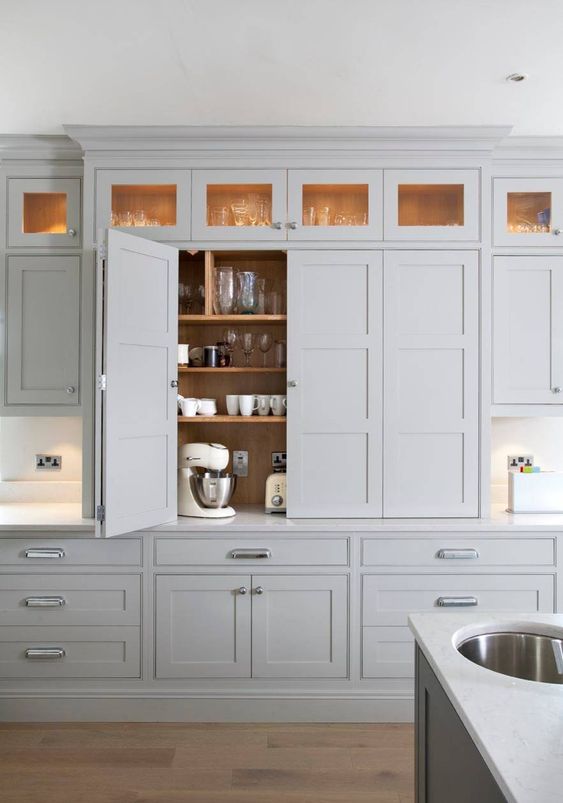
{"points": [[461, 553], [69, 652], [54, 553], [70, 599], [251, 551]]}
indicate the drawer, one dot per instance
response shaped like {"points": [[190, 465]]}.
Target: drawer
{"points": [[447, 552], [53, 553], [251, 551], [70, 599], [69, 652]]}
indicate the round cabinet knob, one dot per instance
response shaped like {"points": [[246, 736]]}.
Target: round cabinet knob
{"points": [[259, 590], [71, 232], [173, 383], [292, 383], [277, 225], [292, 224], [557, 232], [277, 500], [71, 389], [556, 390], [243, 590]]}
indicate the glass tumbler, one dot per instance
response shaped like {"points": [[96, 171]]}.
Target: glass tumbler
{"points": [[224, 291]]}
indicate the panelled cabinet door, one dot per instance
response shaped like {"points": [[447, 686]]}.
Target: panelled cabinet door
{"points": [[334, 375], [528, 330], [431, 383], [528, 212], [335, 204], [44, 212], [150, 203], [203, 626], [137, 411], [42, 335], [431, 205], [248, 205], [299, 626]]}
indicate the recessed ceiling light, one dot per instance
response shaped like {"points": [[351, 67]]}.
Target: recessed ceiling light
{"points": [[516, 77]]}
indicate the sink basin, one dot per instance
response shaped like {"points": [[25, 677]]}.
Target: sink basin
{"points": [[521, 655]]}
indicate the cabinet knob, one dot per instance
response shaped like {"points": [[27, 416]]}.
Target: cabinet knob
{"points": [[243, 590], [277, 225], [557, 232], [258, 590], [292, 383], [71, 232], [556, 390], [292, 224], [71, 389], [173, 383]]}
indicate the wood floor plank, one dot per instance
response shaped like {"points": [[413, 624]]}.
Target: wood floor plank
{"points": [[321, 780], [244, 757], [93, 757], [155, 736], [374, 737]]}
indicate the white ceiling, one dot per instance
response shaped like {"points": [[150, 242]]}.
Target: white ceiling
{"points": [[280, 62]]}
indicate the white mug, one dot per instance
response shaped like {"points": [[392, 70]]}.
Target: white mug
{"points": [[248, 404], [190, 407], [263, 404], [278, 404], [232, 405], [183, 354], [207, 407]]}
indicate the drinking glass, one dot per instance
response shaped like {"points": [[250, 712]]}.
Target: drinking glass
{"points": [[261, 290], [247, 292], [323, 216], [248, 344], [280, 354], [224, 295], [264, 217], [139, 217], [309, 216], [265, 343], [219, 216], [274, 303], [240, 213], [252, 208], [231, 338], [126, 219], [186, 296]]}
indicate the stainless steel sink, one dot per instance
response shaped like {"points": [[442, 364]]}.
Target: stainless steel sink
{"points": [[521, 655]]}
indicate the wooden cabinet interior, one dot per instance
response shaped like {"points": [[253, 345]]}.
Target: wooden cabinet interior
{"points": [[431, 204], [44, 213], [335, 204], [221, 198], [258, 435], [528, 212], [156, 201]]}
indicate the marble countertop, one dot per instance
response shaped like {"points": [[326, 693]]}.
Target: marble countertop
{"points": [[517, 725]]}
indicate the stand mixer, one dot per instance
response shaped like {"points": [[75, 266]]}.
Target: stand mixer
{"points": [[205, 495]]}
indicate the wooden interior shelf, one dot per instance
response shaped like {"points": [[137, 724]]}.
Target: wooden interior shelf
{"points": [[247, 320], [186, 369], [232, 419]]}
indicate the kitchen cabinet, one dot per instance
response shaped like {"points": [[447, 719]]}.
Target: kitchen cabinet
{"points": [[431, 205], [152, 203], [431, 381], [528, 330], [42, 331], [44, 212], [527, 212]]}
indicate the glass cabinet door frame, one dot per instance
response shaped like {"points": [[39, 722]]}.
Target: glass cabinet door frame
{"points": [[18, 187], [201, 230], [106, 178], [468, 232], [502, 187], [298, 178]]}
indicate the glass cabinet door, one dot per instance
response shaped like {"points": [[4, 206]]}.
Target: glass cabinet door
{"points": [[335, 204], [431, 205], [44, 212], [527, 211], [239, 205], [148, 203]]}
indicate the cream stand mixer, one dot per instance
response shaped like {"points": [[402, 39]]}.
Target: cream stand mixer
{"points": [[205, 495]]}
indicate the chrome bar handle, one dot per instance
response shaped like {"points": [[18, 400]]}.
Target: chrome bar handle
{"points": [[457, 602], [252, 554], [457, 554], [45, 602], [45, 652], [40, 552]]}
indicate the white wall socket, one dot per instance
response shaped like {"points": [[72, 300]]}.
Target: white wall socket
{"points": [[48, 462], [240, 463], [516, 461]]}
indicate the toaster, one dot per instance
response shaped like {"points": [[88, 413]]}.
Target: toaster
{"points": [[276, 493]]}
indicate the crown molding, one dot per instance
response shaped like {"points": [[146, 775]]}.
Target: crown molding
{"points": [[529, 147], [39, 146]]}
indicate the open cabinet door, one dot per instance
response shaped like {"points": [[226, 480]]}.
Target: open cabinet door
{"points": [[136, 413]]}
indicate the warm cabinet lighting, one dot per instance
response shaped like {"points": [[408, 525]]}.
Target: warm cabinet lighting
{"points": [[44, 213], [431, 205], [528, 212], [335, 205], [239, 204], [135, 205]]}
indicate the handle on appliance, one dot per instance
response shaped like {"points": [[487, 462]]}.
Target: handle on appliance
{"points": [[40, 552], [457, 602], [557, 645], [457, 554], [253, 554], [45, 602], [45, 652]]}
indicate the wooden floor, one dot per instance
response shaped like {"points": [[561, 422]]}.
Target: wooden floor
{"points": [[203, 763]]}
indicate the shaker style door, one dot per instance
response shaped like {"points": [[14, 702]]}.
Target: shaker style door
{"points": [[528, 212], [431, 381], [334, 369], [528, 330], [44, 212], [136, 413]]}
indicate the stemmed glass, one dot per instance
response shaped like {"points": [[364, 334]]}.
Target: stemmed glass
{"points": [[265, 343], [231, 338], [247, 344]]}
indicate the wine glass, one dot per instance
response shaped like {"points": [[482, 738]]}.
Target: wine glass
{"points": [[247, 344], [231, 338], [265, 343]]}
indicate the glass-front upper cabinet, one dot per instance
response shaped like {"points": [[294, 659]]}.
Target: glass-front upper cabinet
{"points": [[44, 212], [239, 205], [527, 211], [149, 203], [335, 205], [431, 205]]}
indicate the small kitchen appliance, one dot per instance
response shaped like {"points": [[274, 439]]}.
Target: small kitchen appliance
{"points": [[276, 493], [204, 494]]}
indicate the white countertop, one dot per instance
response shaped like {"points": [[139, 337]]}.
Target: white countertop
{"points": [[56, 516], [517, 725]]}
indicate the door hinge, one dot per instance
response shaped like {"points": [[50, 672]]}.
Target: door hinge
{"points": [[101, 513], [102, 382], [102, 251]]}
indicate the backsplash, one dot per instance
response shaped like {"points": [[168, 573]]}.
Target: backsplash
{"points": [[22, 438]]}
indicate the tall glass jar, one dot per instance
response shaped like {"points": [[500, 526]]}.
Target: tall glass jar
{"points": [[247, 292]]}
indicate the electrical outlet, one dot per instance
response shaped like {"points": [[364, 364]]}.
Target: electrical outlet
{"points": [[516, 461], [240, 463], [48, 462], [279, 461]]}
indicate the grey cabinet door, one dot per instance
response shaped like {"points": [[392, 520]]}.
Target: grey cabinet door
{"points": [[44, 212], [42, 332], [299, 626], [335, 321], [203, 626]]}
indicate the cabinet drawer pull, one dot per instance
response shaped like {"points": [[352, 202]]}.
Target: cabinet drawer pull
{"points": [[45, 553], [45, 652], [253, 554], [456, 602], [45, 602], [457, 554]]}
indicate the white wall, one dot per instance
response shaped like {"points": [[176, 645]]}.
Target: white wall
{"points": [[22, 438]]}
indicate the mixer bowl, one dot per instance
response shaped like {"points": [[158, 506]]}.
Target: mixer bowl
{"points": [[213, 489]]}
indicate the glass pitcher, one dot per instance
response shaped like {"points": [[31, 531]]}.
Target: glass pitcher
{"points": [[247, 292]]}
